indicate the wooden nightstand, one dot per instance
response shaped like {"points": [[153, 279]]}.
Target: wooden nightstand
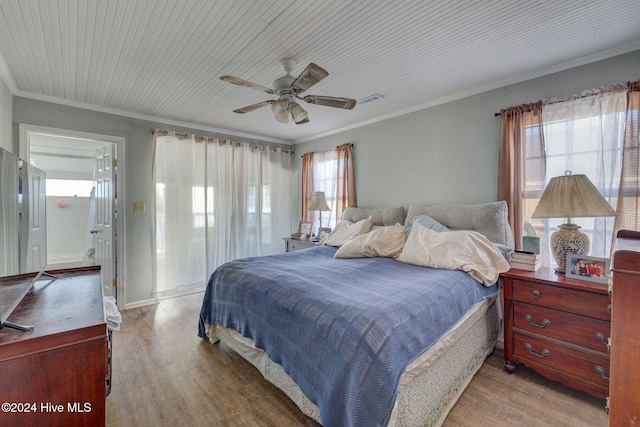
{"points": [[559, 327], [291, 244]]}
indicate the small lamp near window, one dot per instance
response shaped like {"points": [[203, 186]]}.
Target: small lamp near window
{"points": [[570, 196], [318, 203]]}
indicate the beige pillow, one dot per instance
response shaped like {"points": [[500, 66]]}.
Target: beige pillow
{"points": [[454, 250], [382, 242], [345, 231]]}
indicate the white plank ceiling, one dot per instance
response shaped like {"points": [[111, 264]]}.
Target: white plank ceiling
{"points": [[163, 59]]}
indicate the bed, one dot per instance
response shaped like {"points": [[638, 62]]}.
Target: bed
{"points": [[362, 341]]}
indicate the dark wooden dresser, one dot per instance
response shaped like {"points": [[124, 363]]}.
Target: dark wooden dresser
{"points": [[559, 327], [55, 374], [624, 397]]}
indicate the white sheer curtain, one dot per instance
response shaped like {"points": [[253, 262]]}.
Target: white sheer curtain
{"points": [[215, 201], [585, 135], [250, 192]]}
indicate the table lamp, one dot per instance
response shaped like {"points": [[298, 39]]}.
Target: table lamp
{"points": [[570, 196], [318, 203]]}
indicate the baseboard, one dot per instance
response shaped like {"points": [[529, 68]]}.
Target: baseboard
{"points": [[142, 303]]}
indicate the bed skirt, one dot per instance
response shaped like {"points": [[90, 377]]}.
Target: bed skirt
{"points": [[432, 383]]}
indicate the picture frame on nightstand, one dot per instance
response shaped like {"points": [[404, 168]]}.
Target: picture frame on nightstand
{"points": [[305, 228], [592, 269]]}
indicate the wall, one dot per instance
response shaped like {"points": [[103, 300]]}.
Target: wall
{"points": [[6, 130], [138, 180], [449, 153]]}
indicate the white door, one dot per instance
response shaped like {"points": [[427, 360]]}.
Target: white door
{"points": [[32, 212], [105, 230]]}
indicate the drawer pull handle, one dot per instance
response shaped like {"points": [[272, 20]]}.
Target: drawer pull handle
{"points": [[600, 337], [600, 370], [609, 308], [545, 322], [536, 294], [545, 352]]}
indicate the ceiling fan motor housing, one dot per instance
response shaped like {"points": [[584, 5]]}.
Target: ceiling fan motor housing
{"points": [[282, 87]]}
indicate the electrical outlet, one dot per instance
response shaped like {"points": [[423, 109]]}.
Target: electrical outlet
{"points": [[138, 206]]}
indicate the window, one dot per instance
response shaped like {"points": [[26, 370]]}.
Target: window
{"points": [[331, 171], [325, 178], [584, 136], [69, 188]]}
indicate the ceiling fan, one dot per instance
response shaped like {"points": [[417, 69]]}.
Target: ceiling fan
{"points": [[288, 88]]}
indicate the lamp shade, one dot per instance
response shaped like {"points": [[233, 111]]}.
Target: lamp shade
{"points": [[299, 114], [318, 202], [572, 196], [280, 111]]}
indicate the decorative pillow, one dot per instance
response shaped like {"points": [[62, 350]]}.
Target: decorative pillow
{"points": [[425, 220], [462, 250], [345, 231], [382, 242], [504, 250]]}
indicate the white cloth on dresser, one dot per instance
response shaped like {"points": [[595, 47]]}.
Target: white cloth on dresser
{"points": [[114, 318]]}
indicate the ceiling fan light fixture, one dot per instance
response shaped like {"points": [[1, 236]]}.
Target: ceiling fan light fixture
{"points": [[299, 114], [279, 109]]}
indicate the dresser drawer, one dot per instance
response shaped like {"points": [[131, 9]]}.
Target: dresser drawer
{"points": [[569, 300], [586, 366], [573, 328]]}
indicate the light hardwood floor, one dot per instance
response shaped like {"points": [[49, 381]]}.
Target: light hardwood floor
{"points": [[164, 375]]}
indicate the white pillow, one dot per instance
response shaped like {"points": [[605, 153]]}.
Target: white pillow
{"points": [[382, 242], [345, 231], [468, 251]]}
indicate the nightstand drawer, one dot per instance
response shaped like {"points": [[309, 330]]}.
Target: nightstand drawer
{"points": [[569, 300], [572, 328], [296, 245], [579, 364]]}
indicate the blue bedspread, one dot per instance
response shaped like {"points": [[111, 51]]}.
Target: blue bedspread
{"points": [[343, 329]]}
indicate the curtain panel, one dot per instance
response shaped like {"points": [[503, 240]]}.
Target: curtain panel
{"points": [[628, 208], [215, 201], [307, 185], [585, 135], [346, 185], [522, 163]]}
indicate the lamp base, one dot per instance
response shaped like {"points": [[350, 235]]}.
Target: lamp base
{"points": [[568, 240]]}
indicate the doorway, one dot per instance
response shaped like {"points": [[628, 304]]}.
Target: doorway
{"points": [[82, 199]]}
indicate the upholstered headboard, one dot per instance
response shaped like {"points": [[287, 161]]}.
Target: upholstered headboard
{"points": [[379, 216], [489, 219]]}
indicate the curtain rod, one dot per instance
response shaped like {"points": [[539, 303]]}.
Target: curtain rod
{"points": [[587, 93], [199, 138], [330, 149]]}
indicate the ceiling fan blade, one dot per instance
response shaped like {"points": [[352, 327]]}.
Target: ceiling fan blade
{"points": [[253, 107], [240, 82], [330, 101], [310, 76]]}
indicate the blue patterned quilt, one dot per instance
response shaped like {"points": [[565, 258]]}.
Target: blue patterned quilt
{"points": [[344, 330]]}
